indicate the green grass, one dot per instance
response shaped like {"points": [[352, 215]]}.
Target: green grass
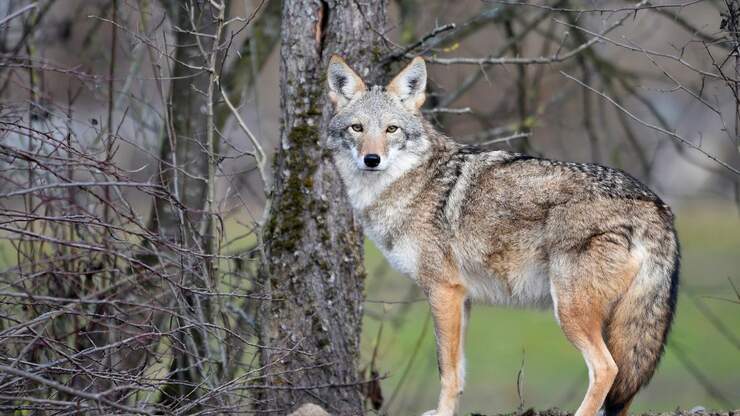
{"points": [[553, 373]]}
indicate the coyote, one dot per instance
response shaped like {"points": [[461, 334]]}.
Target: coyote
{"points": [[467, 224]]}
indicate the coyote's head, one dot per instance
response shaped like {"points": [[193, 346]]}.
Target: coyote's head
{"points": [[377, 128]]}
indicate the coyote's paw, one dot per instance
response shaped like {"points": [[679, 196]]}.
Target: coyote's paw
{"points": [[437, 412]]}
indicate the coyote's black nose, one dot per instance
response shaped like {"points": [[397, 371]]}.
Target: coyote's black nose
{"points": [[372, 160]]}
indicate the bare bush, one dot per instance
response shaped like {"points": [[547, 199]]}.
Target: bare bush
{"points": [[107, 307]]}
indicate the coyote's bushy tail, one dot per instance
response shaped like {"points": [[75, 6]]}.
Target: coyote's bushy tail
{"points": [[637, 330]]}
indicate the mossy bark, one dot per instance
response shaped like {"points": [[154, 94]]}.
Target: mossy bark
{"points": [[314, 272]]}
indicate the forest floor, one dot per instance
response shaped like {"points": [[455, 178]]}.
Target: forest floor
{"points": [[558, 412], [311, 409]]}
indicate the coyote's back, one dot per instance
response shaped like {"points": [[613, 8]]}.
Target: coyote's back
{"points": [[590, 241]]}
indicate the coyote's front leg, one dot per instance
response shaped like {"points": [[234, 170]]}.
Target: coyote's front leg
{"points": [[447, 301]]}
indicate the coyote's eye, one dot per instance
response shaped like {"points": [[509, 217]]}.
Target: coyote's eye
{"points": [[391, 129], [357, 127]]}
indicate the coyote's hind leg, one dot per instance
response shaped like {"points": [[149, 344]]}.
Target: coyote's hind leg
{"points": [[583, 330], [585, 286]]}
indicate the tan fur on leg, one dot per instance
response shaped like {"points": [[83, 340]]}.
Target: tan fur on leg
{"points": [[581, 321], [583, 303], [601, 371], [448, 308]]}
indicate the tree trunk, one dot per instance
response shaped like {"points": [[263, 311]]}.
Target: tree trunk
{"points": [[314, 271], [184, 140], [186, 169]]}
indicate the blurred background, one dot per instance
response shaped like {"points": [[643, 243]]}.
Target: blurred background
{"points": [[648, 87]]}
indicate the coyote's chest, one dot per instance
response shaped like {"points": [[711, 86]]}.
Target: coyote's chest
{"points": [[401, 252]]}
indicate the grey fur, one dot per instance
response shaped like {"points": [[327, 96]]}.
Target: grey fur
{"points": [[518, 230]]}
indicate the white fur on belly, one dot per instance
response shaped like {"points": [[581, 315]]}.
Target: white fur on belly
{"points": [[530, 287]]}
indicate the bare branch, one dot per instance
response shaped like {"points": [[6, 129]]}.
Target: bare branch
{"points": [[16, 13], [654, 127]]}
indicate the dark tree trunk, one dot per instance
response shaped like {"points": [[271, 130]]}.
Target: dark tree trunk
{"points": [[184, 140], [183, 170], [314, 271]]}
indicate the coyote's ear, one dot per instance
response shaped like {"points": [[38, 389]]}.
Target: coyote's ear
{"points": [[409, 85], [344, 83]]}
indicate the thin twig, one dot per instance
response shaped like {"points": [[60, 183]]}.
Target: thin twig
{"points": [[17, 13], [654, 127]]}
